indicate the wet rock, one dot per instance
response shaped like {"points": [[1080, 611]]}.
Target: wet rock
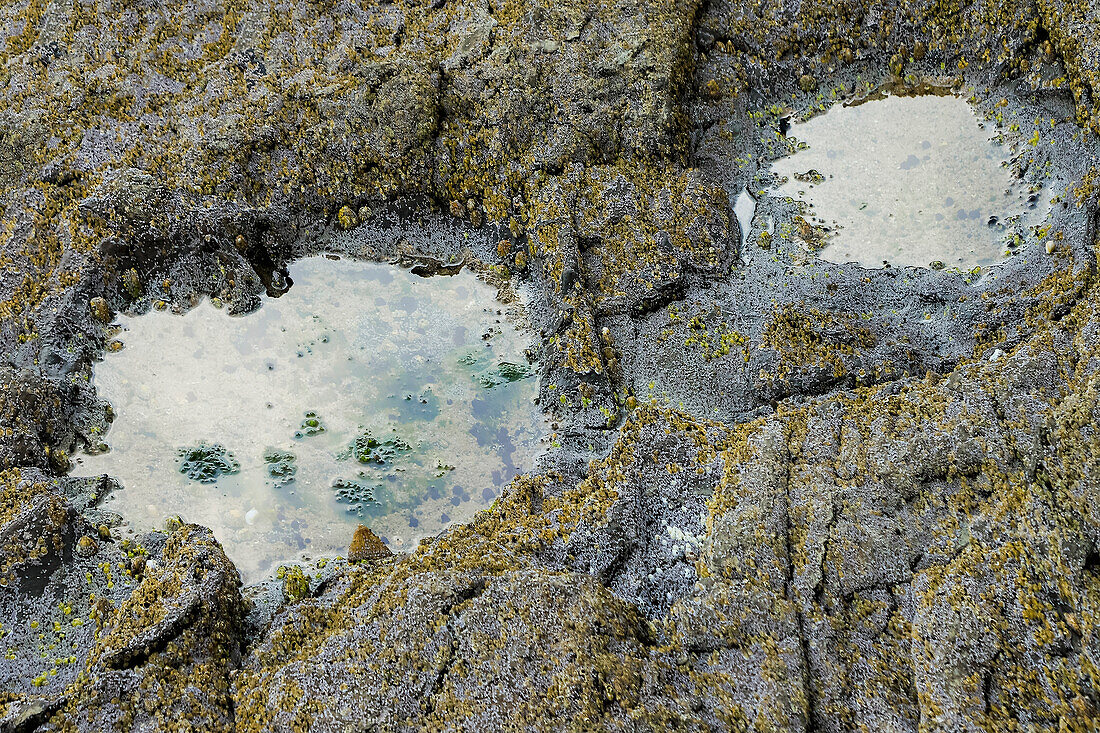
{"points": [[27, 715], [50, 621], [131, 194], [644, 544], [29, 413], [34, 541]]}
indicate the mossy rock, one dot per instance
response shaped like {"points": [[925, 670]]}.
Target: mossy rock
{"points": [[366, 546], [295, 584]]}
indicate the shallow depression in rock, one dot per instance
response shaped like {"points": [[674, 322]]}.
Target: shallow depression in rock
{"points": [[365, 394], [906, 181]]}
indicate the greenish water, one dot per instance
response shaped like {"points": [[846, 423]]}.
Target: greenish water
{"points": [[904, 181], [365, 394]]}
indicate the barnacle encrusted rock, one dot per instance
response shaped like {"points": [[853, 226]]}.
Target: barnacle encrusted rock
{"points": [[165, 655], [779, 494]]}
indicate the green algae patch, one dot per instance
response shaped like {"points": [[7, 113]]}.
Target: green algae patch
{"points": [[206, 463], [493, 375], [311, 425], [368, 449], [281, 466], [358, 493]]}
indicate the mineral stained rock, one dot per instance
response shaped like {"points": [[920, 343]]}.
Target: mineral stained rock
{"points": [[781, 494]]}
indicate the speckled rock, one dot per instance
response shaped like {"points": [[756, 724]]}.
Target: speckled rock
{"points": [[779, 494], [166, 654]]}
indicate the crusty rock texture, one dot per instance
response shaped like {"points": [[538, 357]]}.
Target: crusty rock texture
{"points": [[781, 494]]}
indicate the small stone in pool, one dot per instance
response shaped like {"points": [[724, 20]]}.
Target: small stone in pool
{"points": [[366, 546]]}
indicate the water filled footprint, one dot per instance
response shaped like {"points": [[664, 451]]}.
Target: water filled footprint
{"points": [[365, 394], [905, 181]]}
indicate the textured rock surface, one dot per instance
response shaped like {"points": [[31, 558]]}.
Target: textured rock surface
{"points": [[783, 494]]}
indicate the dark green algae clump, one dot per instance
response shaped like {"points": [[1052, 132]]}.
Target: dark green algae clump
{"points": [[358, 493], [396, 474], [207, 462], [311, 426], [366, 448], [281, 466], [496, 374]]}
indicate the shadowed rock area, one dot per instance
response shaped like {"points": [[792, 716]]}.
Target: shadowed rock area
{"points": [[783, 494]]}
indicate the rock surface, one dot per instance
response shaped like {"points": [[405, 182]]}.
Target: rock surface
{"points": [[783, 495]]}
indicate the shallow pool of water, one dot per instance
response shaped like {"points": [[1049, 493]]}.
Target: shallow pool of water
{"points": [[904, 181], [365, 394]]}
